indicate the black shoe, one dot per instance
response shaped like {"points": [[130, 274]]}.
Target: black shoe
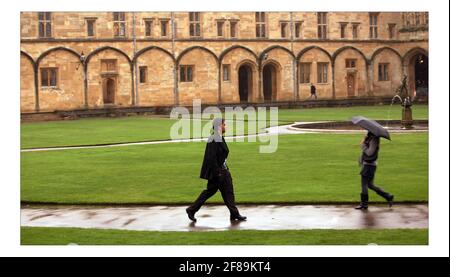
{"points": [[238, 217], [390, 200], [361, 207], [191, 215], [364, 202]]}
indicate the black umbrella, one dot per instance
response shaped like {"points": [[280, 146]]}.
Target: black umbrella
{"points": [[371, 126]]}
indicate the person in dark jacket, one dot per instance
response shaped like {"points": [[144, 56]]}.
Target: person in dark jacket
{"points": [[368, 160], [313, 92], [215, 170]]}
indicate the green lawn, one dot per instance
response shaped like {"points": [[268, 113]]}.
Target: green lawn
{"points": [[306, 168], [64, 236], [142, 128]]}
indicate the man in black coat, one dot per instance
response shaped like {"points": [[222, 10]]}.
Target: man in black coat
{"points": [[313, 92], [215, 170]]}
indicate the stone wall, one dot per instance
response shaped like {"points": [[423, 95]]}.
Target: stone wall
{"points": [[208, 53]]}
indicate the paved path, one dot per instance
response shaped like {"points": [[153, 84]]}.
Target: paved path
{"points": [[216, 218]]}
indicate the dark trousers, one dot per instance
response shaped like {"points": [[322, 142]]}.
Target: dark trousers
{"points": [[367, 177], [225, 185]]}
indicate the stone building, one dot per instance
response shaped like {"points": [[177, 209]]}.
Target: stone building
{"points": [[79, 60]]}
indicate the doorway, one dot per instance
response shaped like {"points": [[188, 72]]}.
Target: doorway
{"points": [[350, 84], [245, 83], [109, 91], [269, 83], [420, 76]]}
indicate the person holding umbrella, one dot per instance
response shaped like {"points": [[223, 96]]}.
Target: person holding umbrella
{"points": [[215, 170], [370, 146]]}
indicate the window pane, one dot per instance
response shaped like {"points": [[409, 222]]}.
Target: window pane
{"points": [[297, 30], [163, 28], [142, 74], [283, 31], [220, 29], [53, 76], [41, 29], [148, 28], [90, 25], [189, 73], [233, 29], [44, 77], [48, 16], [197, 29], [48, 30]]}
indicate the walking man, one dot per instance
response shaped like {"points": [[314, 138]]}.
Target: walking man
{"points": [[313, 92], [215, 170]]}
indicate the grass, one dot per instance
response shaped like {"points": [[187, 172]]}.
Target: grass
{"points": [[64, 236], [306, 168], [141, 128]]}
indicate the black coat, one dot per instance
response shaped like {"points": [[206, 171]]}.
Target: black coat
{"points": [[215, 155]]}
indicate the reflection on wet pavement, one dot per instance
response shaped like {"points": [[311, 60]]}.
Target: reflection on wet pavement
{"points": [[216, 218]]}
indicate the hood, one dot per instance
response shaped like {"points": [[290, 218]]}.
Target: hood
{"points": [[217, 135]]}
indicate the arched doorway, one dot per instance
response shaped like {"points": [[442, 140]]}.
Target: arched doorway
{"points": [[109, 91], [269, 83], [420, 84], [245, 83], [351, 84]]}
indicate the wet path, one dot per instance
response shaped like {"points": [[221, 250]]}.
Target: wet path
{"points": [[276, 130], [216, 218]]}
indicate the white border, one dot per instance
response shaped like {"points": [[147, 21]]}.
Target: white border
{"points": [[438, 163]]}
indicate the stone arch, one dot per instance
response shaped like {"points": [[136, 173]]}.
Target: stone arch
{"points": [[304, 50], [412, 52], [409, 69], [381, 49], [158, 87], [187, 50], [43, 55], [267, 50], [285, 59], [271, 80], [27, 56], [67, 92], [314, 55], [228, 50], [247, 80], [205, 80], [350, 82], [28, 91], [122, 74], [340, 50], [142, 51], [234, 57], [380, 85], [101, 49]]}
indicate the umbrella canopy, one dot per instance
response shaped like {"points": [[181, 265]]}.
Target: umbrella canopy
{"points": [[371, 126]]}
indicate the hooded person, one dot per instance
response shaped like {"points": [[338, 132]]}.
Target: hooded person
{"points": [[370, 146], [215, 170]]}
